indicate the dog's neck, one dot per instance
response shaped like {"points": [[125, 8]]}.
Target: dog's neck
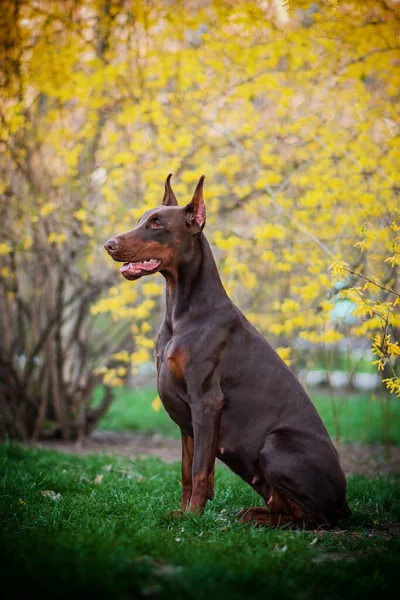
{"points": [[195, 284]]}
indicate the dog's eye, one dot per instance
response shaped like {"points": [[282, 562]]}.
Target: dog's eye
{"points": [[155, 224]]}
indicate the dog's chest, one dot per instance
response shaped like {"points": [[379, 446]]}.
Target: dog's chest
{"points": [[171, 362]]}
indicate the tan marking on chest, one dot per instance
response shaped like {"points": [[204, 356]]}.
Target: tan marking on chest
{"points": [[178, 361]]}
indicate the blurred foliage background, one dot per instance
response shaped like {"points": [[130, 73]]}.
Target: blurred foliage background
{"points": [[291, 112]]}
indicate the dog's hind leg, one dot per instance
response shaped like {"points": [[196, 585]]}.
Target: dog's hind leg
{"points": [[264, 518], [279, 511], [299, 489]]}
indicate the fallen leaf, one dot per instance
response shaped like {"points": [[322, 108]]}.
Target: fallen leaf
{"points": [[98, 479], [167, 570], [278, 549], [51, 494]]}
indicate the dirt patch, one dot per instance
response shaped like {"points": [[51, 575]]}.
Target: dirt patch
{"points": [[371, 460], [341, 556], [130, 444]]}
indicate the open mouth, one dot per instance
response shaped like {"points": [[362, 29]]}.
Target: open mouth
{"points": [[142, 267]]}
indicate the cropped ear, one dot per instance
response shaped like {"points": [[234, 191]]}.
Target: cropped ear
{"points": [[169, 196], [196, 210]]}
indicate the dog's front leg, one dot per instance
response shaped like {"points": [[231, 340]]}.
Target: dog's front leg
{"points": [[187, 462], [206, 414]]}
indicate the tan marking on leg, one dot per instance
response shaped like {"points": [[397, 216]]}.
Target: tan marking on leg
{"points": [[262, 517], [199, 491], [187, 459], [295, 508], [178, 361], [279, 504], [275, 503]]}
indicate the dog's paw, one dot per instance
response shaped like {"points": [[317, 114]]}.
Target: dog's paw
{"points": [[176, 514]]}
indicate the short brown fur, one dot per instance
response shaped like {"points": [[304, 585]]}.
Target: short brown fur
{"points": [[222, 383], [178, 361]]}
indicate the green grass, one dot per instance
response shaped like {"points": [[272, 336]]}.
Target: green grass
{"points": [[132, 410], [341, 361], [114, 540], [361, 417]]}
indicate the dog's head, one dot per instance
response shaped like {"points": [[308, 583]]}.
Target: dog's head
{"points": [[160, 235]]}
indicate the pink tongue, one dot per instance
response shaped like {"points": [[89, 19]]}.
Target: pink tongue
{"points": [[125, 267], [132, 267], [136, 267]]}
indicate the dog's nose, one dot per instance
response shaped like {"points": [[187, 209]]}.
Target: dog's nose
{"points": [[111, 245]]}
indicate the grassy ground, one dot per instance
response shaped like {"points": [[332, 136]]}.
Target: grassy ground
{"points": [[361, 418], [107, 536]]}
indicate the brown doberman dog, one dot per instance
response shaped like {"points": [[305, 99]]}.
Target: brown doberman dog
{"points": [[222, 383]]}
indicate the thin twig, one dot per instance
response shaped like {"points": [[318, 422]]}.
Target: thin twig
{"points": [[382, 287]]}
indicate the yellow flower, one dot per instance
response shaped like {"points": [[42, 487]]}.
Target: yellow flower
{"points": [[81, 214], [156, 404], [56, 238], [47, 209], [284, 353], [331, 336], [4, 248], [122, 356], [338, 268]]}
